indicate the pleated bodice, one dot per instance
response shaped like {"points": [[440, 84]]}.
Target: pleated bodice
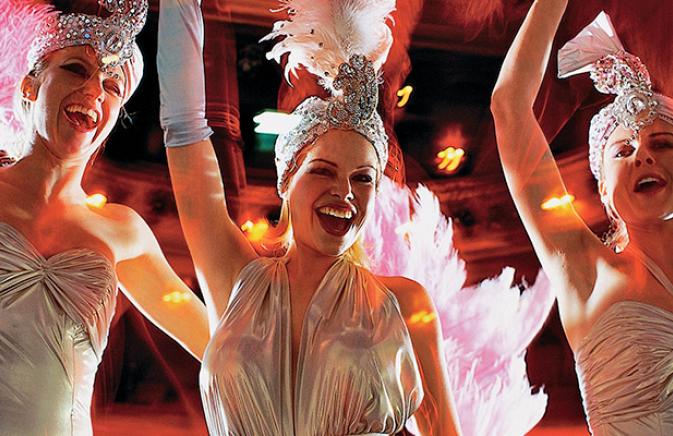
{"points": [[625, 368], [55, 314], [356, 370]]}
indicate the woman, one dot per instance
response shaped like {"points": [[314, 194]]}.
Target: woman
{"points": [[616, 301], [61, 260], [334, 355]]}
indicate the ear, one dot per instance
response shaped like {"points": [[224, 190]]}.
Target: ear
{"points": [[602, 189], [29, 88]]}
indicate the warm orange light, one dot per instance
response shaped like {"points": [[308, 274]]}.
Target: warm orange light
{"points": [[422, 316], [451, 158], [404, 94], [558, 202], [255, 231], [96, 200], [177, 297]]}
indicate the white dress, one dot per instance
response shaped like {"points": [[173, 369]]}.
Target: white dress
{"points": [[625, 368], [356, 369], [55, 315]]}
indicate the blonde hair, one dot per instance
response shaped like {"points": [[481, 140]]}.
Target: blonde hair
{"points": [[617, 236], [279, 239], [21, 109]]}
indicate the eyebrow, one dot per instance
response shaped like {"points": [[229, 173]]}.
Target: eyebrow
{"points": [[620, 142], [655, 134], [95, 66], [329, 162]]}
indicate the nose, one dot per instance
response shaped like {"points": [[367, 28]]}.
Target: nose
{"points": [[644, 155], [342, 188], [93, 87]]}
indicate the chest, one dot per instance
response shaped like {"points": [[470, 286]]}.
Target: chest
{"points": [[632, 282], [57, 231]]}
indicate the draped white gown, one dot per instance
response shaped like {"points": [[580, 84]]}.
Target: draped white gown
{"points": [[55, 315], [625, 368], [356, 369]]}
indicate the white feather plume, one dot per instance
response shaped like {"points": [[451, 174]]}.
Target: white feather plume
{"points": [[323, 34], [486, 327]]}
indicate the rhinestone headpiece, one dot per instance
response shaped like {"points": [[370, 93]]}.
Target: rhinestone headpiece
{"points": [[113, 37], [345, 44], [355, 110], [598, 50]]}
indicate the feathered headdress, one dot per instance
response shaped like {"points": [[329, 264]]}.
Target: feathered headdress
{"points": [[598, 51], [344, 43], [32, 29], [18, 20]]}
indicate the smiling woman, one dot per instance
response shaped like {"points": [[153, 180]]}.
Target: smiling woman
{"points": [[311, 342], [615, 301], [61, 260]]}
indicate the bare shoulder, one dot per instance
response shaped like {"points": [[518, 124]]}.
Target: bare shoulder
{"points": [[411, 295], [129, 232]]}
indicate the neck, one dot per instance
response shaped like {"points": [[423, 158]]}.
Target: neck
{"points": [[655, 241], [43, 178], [307, 266]]}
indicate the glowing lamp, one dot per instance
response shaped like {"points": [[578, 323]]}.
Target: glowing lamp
{"points": [[255, 231], [177, 297], [422, 316], [274, 122], [450, 159], [96, 200], [558, 202], [404, 94]]}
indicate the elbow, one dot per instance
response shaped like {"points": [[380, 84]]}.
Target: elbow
{"points": [[507, 108], [502, 102]]}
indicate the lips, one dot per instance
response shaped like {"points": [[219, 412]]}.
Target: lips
{"points": [[336, 220], [81, 118], [649, 184]]}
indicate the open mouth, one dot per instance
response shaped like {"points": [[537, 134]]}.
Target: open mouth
{"points": [[81, 118], [335, 221], [649, 185]]}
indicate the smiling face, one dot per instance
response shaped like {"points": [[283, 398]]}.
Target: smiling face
{"points": [[74, 106], [332, 192], [638, 175]]}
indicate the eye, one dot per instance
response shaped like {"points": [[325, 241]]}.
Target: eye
{"points": [[364, 178], [623, 151], [320, 171], [662, 144], [113, 87], [77, 69]]}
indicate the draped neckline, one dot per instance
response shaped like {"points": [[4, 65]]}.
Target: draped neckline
{"points": [[48, 259], [658, 274]]}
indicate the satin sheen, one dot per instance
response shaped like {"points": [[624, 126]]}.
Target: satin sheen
{"points": [[625, 368], [356, 369], [54, 318]]}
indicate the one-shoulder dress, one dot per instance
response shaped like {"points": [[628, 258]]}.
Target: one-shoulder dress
{"points": [[55, 314], [625, 368], [356, 369]]}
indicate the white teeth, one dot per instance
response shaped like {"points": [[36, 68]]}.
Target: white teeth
{"points": [[648, 180], [82, 110], [344, 214]]}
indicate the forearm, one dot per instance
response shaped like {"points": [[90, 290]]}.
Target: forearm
{"points": [[526, 61]]}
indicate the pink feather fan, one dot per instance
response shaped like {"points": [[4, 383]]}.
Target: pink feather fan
{"points": [[486, 328], [19, 21]]}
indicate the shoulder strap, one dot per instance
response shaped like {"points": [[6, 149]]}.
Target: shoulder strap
{"points": [[656, 271]]}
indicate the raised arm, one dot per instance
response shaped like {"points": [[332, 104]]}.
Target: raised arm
{"points": [[565, 246], [218, 247]]}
